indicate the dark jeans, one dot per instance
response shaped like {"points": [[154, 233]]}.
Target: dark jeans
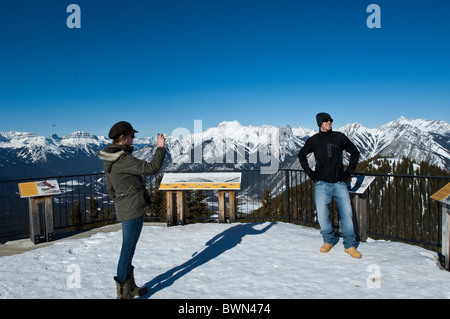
{"points": [[131, 230]]}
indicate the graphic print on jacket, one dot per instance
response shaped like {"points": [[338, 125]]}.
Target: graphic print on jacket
{"points": [[330, 149]]}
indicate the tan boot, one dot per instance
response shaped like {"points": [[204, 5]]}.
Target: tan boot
{"points": [[134, 289], [123, 288], [353, 252], [326, 247]]}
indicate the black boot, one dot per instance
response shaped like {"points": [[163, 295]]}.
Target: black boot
{"points": [[124, 288], [134, 289]]}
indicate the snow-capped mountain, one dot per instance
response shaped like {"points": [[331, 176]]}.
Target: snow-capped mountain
{"points": [[24, 155], [229, 145], [419, 140]]}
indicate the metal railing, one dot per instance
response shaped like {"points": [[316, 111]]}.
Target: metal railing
{"points": [[83, 202], [398, 206]]}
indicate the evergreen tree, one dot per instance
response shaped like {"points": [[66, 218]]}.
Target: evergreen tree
{"points": [[401, 207], [158, 199], [93, 208], [196, 205], [75, 216], [266, 202]]}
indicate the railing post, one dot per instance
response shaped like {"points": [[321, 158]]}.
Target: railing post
{"points": [[35, 211], [222, 207], [288, 206], [358, 188], [232, 200], [443, 196], [35, 227], [181, 207], [359, 203], [446, 235], [170, 205]]}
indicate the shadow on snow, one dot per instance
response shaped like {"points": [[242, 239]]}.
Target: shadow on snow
{"points": [[216, 246]]}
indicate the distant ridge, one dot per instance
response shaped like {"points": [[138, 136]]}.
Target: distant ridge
{"points": [[228, 145]]}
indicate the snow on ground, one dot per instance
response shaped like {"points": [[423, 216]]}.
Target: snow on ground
{"points": [[226, 261]]}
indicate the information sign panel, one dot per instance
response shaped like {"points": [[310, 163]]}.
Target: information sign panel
{"points": [[442, 195], [359, 184], [41, 188], [201, 181]]}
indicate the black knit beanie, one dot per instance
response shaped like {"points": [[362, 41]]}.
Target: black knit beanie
{"points": [[320, 117]]}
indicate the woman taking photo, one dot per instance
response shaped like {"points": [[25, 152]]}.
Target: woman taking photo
{"points": [[131, 200]]}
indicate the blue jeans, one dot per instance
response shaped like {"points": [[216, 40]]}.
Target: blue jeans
{"points": [[323, 194], [131, 230]]}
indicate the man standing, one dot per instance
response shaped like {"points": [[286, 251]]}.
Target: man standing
{"points": [[330, 181]]}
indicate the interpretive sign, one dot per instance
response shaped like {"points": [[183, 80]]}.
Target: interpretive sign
{"points": [[41, 188], [357, 189], [201, 181], [178, 183], [39, 196], [359, 184], [442, 195]]}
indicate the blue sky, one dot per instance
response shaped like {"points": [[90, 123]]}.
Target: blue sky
{"points": [[163, 64]]}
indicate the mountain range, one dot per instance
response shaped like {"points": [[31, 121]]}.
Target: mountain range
{"points": [[228, 145]]}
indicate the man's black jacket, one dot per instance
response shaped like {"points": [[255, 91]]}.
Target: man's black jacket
{"points": [[327, 148]]}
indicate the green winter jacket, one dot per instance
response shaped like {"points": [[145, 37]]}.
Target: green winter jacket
{"points": [[124, 181]]}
